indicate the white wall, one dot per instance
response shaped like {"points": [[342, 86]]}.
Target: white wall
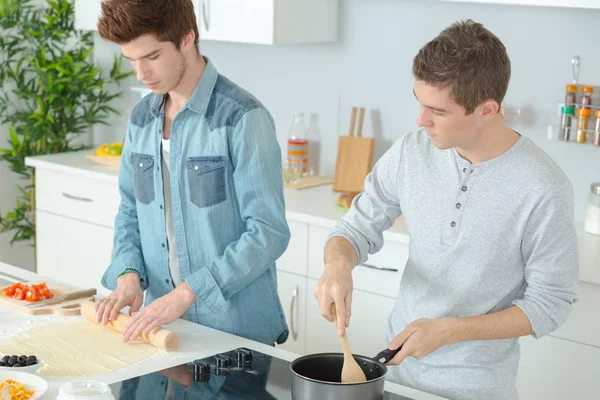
{"points": [[370, 66]]}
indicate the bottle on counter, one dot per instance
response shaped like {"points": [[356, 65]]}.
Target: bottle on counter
{"points": [[571, 95], [596, 137], [583, 118], [586, 99], [314, 144], [566, 122], [592, 212], [297, 150]]}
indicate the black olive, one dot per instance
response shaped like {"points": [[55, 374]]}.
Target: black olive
{"points": [[12, 361], [2, 364], [21, 360], [33, 359], [5, 359], [17, 365]]}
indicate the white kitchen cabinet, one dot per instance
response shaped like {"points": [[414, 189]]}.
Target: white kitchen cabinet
{"points": [[268, 21], [72, 251], [557, 369], [248, 21], [294, 259], [292, 293], [366, 334], [545, 3], [87, 13], [380, 275]]}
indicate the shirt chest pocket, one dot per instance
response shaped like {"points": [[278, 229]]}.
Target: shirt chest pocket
{"points": [[143, 177], [206, 178]]}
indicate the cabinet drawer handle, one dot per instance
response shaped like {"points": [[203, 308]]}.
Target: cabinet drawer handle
{"points": [[292, 309], [70, 196], [379, 268], [205, 14]]}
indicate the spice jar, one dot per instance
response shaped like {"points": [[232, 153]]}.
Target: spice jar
{"points": [[565, 123], [571, 96], [583, 118], [586, 99], [596, 137], [592, 212]]}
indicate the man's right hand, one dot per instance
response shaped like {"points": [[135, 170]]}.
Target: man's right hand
{"points": [[335, 286], [128, 293]]}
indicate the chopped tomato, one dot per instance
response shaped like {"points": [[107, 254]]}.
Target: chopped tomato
{"points": [[32, 293], [19, 294]]}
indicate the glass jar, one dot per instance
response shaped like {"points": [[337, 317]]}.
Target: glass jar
{"points": [[571, 95], [583, 118], [83, 390], [596, 137], [586, 99], [592, 212], [566, 122]]}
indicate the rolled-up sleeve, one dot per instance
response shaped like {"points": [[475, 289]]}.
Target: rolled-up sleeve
{"points": [[375, 209], [551, 257]]}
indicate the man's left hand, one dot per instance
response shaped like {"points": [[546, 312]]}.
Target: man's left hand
{"points": [[422, 337], [163, 310]]}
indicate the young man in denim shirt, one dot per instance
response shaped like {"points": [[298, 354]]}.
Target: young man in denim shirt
{"points": [[202, 215]]}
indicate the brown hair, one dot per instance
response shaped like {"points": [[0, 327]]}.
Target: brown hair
{"points": [[468, 59], [125, 20]]}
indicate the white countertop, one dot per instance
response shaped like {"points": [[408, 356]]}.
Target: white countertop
{"points": [[314, 206], [196, 342]]}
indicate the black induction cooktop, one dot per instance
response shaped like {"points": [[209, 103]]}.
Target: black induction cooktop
{"points": [[233, 375]]}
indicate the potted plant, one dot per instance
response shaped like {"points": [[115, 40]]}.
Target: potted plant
{"points": [[50, 93]]}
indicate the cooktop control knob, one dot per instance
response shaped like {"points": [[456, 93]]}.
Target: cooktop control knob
{"points": [[222, 361], [243, 358], [222, 364], [201, 371]]}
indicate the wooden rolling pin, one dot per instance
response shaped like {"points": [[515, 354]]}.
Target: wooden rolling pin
{"points": [[162, 338]]}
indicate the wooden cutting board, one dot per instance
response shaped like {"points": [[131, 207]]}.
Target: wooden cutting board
{"points": [[308, 182], [71, 305], [354, 158]]}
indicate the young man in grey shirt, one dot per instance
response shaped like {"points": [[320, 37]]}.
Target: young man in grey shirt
{"points": [[493, 250]]}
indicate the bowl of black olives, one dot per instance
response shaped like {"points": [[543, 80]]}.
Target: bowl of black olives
{"points": [[21, 363]]}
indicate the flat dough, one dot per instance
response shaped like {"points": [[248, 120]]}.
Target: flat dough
{"points": [[81, 349]]}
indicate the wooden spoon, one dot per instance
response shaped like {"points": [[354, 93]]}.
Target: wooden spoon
{"points": [[351, 371]]}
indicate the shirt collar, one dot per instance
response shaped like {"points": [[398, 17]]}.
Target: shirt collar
{"points": [[198, 102]]}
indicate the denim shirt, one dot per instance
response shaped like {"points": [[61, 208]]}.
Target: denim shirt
{"points": [[228, 208]]}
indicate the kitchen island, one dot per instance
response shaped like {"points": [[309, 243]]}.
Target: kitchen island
{"points": [[196, 342]]}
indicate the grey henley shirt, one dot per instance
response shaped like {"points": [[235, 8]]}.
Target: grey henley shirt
{"points": [[483, 237]]}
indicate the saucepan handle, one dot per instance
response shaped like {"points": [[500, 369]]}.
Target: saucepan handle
{"points": [[386, 355]]}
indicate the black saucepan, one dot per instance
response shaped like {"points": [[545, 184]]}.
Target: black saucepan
{"points": [[318, 376]]}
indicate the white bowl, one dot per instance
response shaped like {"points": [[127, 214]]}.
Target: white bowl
{"points": [[30, 369], [31, 382]]}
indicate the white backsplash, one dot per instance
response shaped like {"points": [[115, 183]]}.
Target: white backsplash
{"points": [[370, 66]]}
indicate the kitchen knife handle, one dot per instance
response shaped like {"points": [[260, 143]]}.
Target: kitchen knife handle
{"points": [[352, 122], [385, 356], [361, 118]]}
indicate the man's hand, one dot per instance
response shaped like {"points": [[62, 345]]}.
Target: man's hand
{"points": [[163, 310], [422, 337], [128, 293], [335, 286]]}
